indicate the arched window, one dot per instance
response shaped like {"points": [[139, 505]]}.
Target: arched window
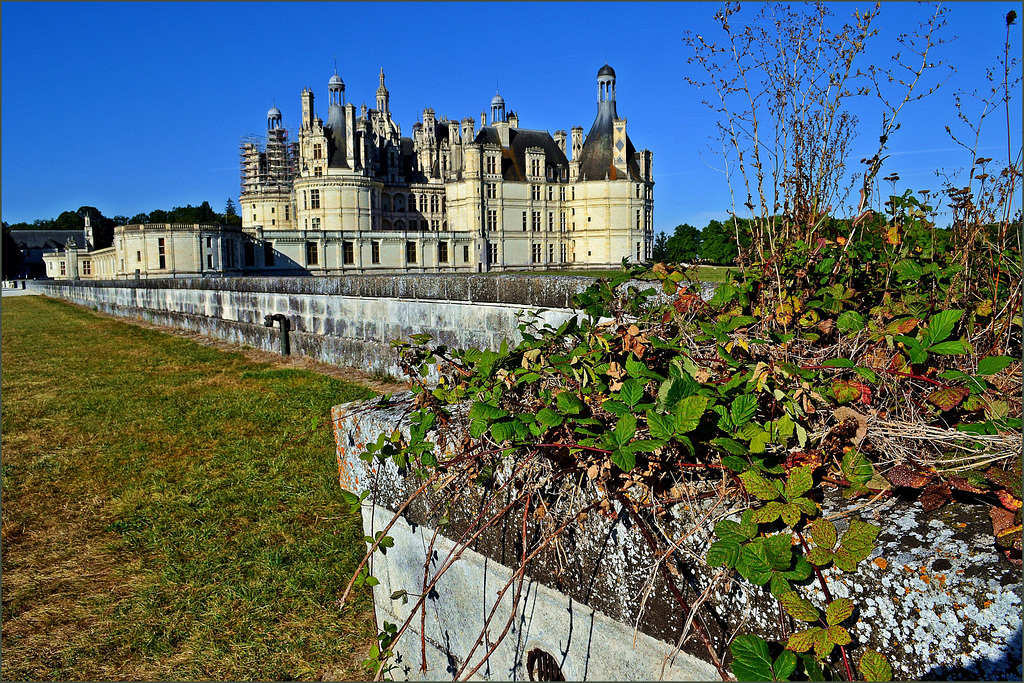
{"points": [[399, 225], [385, 202], [386, 225]]}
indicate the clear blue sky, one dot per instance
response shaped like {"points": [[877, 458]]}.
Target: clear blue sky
{"points": [[131, 107]]}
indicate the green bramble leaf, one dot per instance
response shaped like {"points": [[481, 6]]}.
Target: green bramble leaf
{"points": [[570, 404], [730, 445], [837, 635], [819, 556], [950, 348], [758, 486], [750, 658], [779, 551], [785, 665], [625, 429], [747, 524], [753, 564], [632, 391], [769, 513], [850, 322], [731, 531], [791, 513], [824, 534], [800, 482], [625, 458], [502, 432], [838, 611], [941, 325], [549, 418], [660, 426], [802, 641], [635, 368], [799, 608], [779, 586], [839, 362], [990, 365], [859, 539], [486, 411], [735, 463], [743, 408], [856, 467], [800, 571], [874, 667], [724, 553], [806, 506], [477, 428], [689, 413]]}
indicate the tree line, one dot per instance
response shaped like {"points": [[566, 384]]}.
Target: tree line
{"points": [[103, 226]]}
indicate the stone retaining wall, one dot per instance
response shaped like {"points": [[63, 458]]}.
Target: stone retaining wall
{"points": [[934, 597], [347, 321]]}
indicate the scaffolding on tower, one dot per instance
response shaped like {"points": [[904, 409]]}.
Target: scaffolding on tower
{"points": [[267, 164]]}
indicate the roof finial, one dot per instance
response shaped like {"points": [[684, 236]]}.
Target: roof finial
{"points": [[335, 65]]}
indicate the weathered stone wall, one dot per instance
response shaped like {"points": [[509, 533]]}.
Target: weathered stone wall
{"points": [[934, 596], [348, 321]]}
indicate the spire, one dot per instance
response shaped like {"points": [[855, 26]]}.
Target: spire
{"points": [[382, 95]]}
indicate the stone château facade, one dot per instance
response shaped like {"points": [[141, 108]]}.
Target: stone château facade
{"points": [[352, 195]]}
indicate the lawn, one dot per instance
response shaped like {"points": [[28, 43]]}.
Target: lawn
{"points": [[170, 511]]}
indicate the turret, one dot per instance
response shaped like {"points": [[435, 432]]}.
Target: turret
{"points": [[307, 108], [560, 140], [382, 95], [497, 109]]}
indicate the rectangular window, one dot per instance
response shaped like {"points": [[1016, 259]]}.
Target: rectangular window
{"points": [[348, 253], [272, 209], [209, 261], [63, 268], [535, 169], [314, 199], [536, 221], [492, 190], [491, 164], [305, 204], [268, 254], [536, 253], [535, 192], [574, 192], [551, 253], [316, 223], [424, 225], [465, 254], [551, 192], [318, 171], [492, 252], [138, 257], [318, 151], [442, 252], [551, 221], [639, 219], [524, 221], [287, 212], [561, 193], [209, 242], [374, 252], [492, 220], [161, 251], [563, 253], [86, 267], [312, 254], [433, 203], [561, 223], [410, 252], [435, 225], [637, 251]]}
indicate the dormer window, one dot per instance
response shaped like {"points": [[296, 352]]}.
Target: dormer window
{"points": [[491, 164]]}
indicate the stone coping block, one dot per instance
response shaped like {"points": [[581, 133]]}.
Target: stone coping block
{"points": [[934, 597]]}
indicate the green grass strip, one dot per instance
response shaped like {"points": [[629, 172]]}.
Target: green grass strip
{"points": [[170, 511]]}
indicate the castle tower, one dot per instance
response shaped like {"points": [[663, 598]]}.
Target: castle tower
{"points": [[497, 109], [89, 241], [336, 134], [606, 90], [273, 118], [382, 95]]}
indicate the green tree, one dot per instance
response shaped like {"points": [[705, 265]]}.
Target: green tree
{"points": [[659, 253], [11, 254], [718, 244], [231, 216], [684, 245]]}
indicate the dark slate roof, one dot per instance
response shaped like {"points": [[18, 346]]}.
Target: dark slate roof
{"points": [[596, 156], [47, 239], [335, 131], [513, 157], [606, 71]]}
